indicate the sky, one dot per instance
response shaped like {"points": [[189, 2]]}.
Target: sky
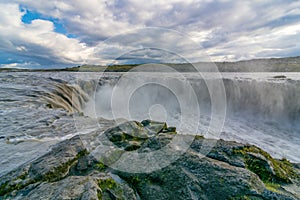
{"points": [[56, 33]]}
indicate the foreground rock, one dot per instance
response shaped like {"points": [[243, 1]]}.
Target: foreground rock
{"points": [[230, 171]]}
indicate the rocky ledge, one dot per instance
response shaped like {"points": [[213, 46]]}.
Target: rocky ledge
{"points": [[230, 170]]}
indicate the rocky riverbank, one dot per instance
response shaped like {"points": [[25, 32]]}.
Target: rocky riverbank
{"points": [[72, 170]]}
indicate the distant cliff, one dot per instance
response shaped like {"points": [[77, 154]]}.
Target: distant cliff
{"points": [[289, 64]]}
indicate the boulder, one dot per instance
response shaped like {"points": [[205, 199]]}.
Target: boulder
{"points": [[130, 136]]}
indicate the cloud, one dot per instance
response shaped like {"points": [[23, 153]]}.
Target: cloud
{"points": [[38, 39], [226, 30], [21, 65]]}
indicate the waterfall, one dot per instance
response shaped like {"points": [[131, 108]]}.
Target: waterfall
{"points": [[271, 99], [70, 97]]}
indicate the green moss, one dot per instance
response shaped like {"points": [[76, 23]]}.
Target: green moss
{"points": [[11, 186], [99, 195], [7, 187], [109, 187], [199, 137], [100, 166], [172, 133], [135, 180], [4, 189], [283, 168], [23, 176], [274, 187], [60, 171], [82, 153], [119, 136], [107, 184], [256, 166], [54, 175]]}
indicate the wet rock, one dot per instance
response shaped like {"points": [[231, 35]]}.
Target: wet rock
{"points": [[222, 151], [52, 166], [82, 164], [110, 189], [269, 170], [55, 164], [130, 136], [229, 171], [156, 143], [169, 130], [193, 178], [72, 187], [154, 127], [261, 161], [223, 174], [91, 187]]}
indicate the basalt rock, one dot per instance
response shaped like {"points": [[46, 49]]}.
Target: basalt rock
{"points": [[230, 170]]}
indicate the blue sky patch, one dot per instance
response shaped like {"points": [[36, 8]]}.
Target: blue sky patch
{"points": [[30, 15]]}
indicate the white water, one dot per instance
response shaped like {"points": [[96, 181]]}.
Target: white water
{"points": [[261, 110]]}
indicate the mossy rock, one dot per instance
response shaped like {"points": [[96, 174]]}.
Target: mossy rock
{"points": [[52, 166], [269, 170], [100, 166], [130, 136], [110, 189], [107, 184]]}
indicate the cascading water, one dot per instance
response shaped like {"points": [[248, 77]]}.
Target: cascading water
{"points": [[262, 108], [272, 99]]}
